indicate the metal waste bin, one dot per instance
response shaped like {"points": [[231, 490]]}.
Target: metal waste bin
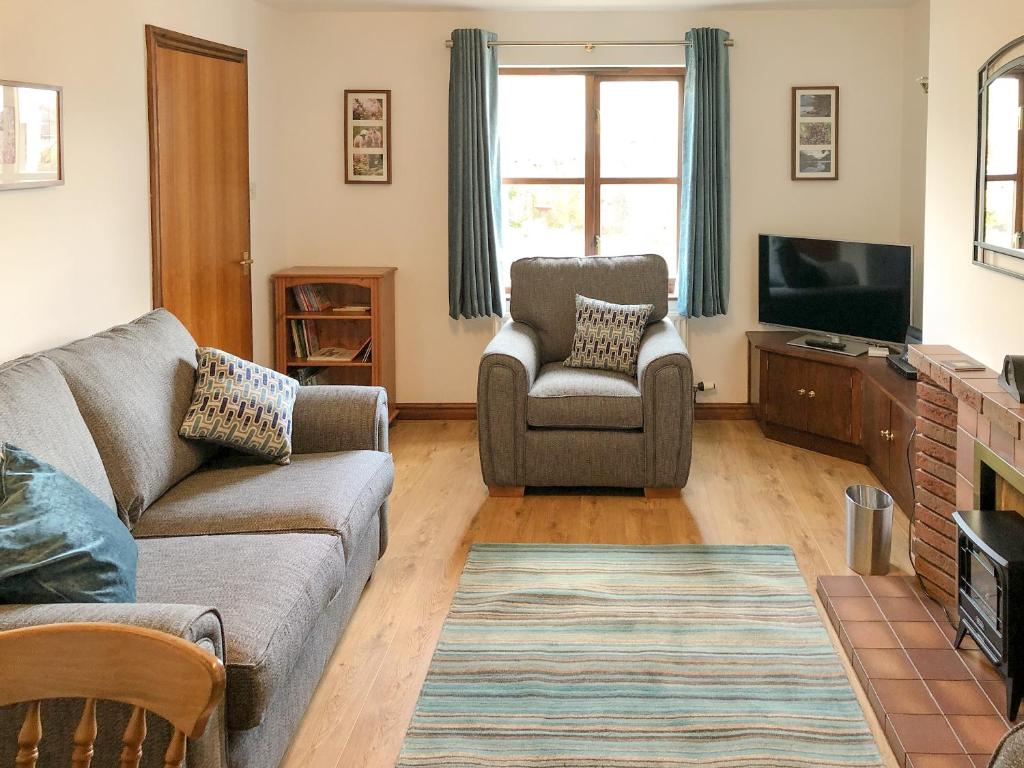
{"points": [[868, 530]]}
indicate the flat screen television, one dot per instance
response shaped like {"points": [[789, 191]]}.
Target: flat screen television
{"points": [[835, 287]]}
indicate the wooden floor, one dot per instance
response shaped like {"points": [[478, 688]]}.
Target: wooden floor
{"points": [[743, 489]]}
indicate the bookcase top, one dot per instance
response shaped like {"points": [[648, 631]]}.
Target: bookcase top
{"points": [[335, 272]]}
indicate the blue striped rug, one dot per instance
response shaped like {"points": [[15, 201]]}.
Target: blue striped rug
{"points": [[625, 656]]}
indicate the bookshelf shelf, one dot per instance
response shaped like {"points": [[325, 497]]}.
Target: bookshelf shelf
{"points": [[325, 316], [337, 286]]}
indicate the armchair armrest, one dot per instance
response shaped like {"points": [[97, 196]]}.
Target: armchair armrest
{"points": [[340, 418], [508, 369], [665, 376]]}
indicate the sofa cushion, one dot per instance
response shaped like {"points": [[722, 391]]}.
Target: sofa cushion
{"points": [[582, 397], [133, 385], [325, 492], [544, 292], [38, 414], [241, 405], [269, 591]]}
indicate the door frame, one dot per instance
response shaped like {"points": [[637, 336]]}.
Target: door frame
{"points": [[157, 38]]}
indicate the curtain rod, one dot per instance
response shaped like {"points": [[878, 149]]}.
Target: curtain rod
{"points": [[588, 45]]}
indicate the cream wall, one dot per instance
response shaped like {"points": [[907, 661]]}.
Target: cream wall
{"points": [[405, 224], [915, 131], [84, 248], [972, 308], [76, 259]]}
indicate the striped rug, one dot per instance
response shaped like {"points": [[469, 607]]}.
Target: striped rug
{"points": [[625, 656]]}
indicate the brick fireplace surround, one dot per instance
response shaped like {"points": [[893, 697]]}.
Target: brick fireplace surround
{"points": [[953, 411]]}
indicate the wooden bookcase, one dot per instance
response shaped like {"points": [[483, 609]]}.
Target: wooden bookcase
{"points": [[371, 286]]}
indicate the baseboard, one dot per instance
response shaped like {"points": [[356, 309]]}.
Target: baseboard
{"points": [[723, 411], [436, 411], [467, 411]]}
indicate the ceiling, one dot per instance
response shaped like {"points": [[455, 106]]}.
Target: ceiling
{"points": [[575, 5]]}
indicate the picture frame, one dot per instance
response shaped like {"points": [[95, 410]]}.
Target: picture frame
{"points": [[367, 136], [31, 135], [815, 118]]}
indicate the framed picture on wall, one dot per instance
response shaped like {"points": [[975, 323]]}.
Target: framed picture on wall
{"points": [[367, 137], [31, 135], [815, 133]]}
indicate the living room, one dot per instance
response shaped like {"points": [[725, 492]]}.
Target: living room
{"points": [[901, 80]]}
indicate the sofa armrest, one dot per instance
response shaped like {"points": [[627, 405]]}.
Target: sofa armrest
{"points": [[197, 624], [327, 419], [508, 369], [665, 375]]}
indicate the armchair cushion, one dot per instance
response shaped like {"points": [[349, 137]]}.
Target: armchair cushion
{"points": [[581, 397], [607, 335]]}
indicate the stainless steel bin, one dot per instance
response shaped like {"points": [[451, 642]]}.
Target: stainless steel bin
{"points": [[868, 530]]}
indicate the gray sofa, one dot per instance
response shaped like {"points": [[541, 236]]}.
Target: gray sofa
{"points": [[261, 564], [542, 424]]}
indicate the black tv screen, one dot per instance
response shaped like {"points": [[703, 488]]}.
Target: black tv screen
{"points": [[849, 289]]}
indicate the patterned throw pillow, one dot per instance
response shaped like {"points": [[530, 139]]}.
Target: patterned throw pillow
{"points": [[241, 405], [608, 335]]}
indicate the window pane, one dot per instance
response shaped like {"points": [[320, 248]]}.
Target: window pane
{"points": [[640, 218], [1000, 199], [541, 124], [542, 220], [1003, 126], [639, 128]]}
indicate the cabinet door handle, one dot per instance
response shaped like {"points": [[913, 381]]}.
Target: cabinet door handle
{"points": [[801, 392], [811, 393], [885, 434], [892, 436]]}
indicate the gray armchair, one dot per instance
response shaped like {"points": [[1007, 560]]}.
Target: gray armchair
{"points": [[543, 424]]}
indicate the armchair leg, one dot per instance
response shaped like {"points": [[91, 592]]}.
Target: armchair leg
{"points": [[662, 493], [502, 491]]}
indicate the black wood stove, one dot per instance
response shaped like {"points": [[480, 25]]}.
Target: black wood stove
{"points": [[990, 585]]}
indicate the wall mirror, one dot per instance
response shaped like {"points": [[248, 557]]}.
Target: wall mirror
{"points": [[999, 223], [31, 147]]}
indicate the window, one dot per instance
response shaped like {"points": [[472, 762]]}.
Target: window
{"points": [[1004, 172], [590, 162]]}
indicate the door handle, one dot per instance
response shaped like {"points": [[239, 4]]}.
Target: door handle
{"points": [[246, 262], [885, 433], [811, 393], [801, 392]]}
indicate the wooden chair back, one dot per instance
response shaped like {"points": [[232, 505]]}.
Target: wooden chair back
{"points": [[149, 670]]}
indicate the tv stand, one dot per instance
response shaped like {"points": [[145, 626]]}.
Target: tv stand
{"points": [[831, 344], [850, 406]]}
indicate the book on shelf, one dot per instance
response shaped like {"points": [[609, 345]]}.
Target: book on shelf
{"points": [[352, 309], [305, 337], [311, 298], [309, 375], [338, 354]]}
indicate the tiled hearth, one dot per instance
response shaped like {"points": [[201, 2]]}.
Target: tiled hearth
{"points": [[940, 708]]}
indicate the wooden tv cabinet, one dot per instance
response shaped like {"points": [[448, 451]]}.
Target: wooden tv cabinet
{"points": [[856, 408]]}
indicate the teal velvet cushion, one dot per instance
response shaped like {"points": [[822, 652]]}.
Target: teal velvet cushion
{"points": [[58, 542]]}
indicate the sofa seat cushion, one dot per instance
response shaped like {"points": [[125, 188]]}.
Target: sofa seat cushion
{"points": [[39, 414], [269, 591], [318, 492], [133, 385], [580, 397]]}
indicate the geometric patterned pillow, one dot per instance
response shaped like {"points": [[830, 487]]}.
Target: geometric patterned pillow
{"points": [[608, 335], [241, 405]]}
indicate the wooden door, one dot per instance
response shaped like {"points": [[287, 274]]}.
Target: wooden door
{"points": [[784, 391], [875, 428], [199, 175], [901, 478], [830, 412]]}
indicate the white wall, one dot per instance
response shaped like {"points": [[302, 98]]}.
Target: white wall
{"points": [[915, 132], [972, 308], [405, 224], [76, 259]]}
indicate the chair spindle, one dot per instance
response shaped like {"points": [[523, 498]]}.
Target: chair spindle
{"points": [[85, 736], [29, 736], [175, 754], [134, 735]]}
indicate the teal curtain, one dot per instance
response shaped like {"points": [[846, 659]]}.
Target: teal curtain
{"points": [[704, 215], [474, 177]]}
